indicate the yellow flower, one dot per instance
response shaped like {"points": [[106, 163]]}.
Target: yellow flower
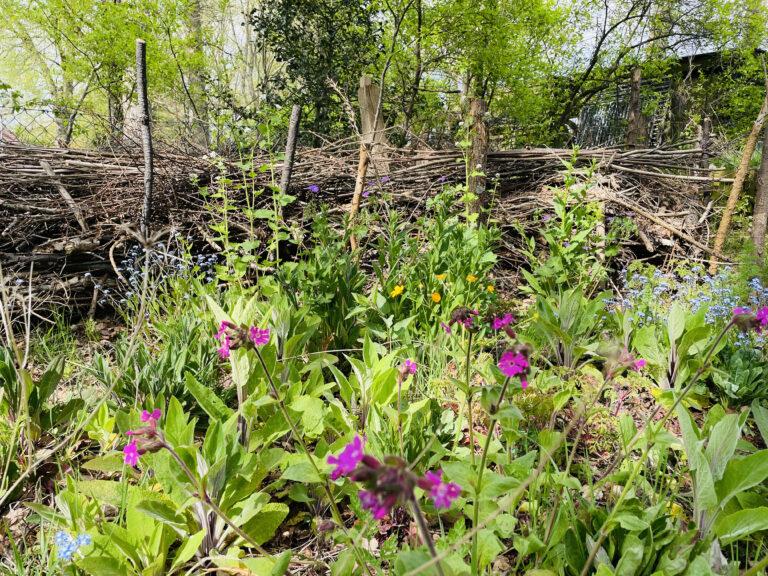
{"points": [[490, 288], [676, 511], [441, 277], [471, 278], [396, 291], [436, 297]]}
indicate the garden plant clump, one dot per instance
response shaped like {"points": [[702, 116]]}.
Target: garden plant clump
{"points": [[407, 417]]}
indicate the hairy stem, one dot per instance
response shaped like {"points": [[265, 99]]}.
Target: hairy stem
{"points": [[426, 536]]}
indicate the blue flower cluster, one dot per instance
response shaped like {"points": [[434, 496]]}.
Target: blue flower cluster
{"points": [[67, 546]]}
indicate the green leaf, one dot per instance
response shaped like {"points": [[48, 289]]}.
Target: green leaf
{"points": [[301, 472], [209, 402], [742, 474], [760, 414], [488, 547], [187, 550], [109, 463], [740, 524], [722, 442], [164, 513], [101, 566], [264, 524], [676, 322], [344, 564], [411, 560]]}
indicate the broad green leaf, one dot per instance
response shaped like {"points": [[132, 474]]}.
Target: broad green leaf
{"points": [[742, 474], [301, 472], [262, 526], [164, 513], [676, 322], [207, 398], [187, 550], [722, 443], [101, 566], [740, 524]]}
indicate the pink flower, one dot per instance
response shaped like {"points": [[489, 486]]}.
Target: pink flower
{"points": [[639, 364], [131, 453], [223, 337], [379, 507], [408, 367], [445, 327], [151, 417], [762, 316], [499, 323], [523, 383], [739, 310], [348, 460], [512, 363], [258, 336], [442, 493]]}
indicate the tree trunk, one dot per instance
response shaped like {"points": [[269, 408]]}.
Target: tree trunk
{"points": [[760, 214], [146, 136], [738, 182], [197, 94]]}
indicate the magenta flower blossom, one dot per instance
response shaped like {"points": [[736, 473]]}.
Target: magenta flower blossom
{"points": [[366, 192], [512, 363], [314, 188], [762, 316], [739, 310], [445, 327], [348, 459], [442, 493], [131, 453], [409, 367], [258, 336], [151, 417], [639, 364], [224, 340], [500, 322], [379, 506]]}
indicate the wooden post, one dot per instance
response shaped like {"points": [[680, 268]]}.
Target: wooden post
{"points": [[373, 143], [738, 181], [146, 135], [290, 149], [760, 213], [635, 114], [478, 151], [704, 143]]}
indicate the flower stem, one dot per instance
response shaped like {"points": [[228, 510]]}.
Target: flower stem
{"points": [[470, 422], [321, 477], [426, 536]]}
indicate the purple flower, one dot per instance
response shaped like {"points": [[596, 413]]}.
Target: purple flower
{"points": [[131, 453], [366, 193], [762, 316], [739, 310], [224, 340], [499, 323], [258, 336], [348, 460], [442, 179], [442, 493], [314, 188], [151, 417], [445, 327], [513, 363], [639, 364], [384, 179], [408, 367], [379, 506]]}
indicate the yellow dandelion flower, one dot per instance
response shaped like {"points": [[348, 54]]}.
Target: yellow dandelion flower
{"points": [[396, 291], [490, 288], [471, 278], [441, 277], [436, 297]]}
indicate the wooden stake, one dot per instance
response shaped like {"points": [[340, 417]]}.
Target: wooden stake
{"points": [[478, 151], [738, 181], [290, 149], [146, 135], [362, 170]]}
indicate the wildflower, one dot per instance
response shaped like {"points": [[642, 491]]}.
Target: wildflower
{"points": [[436, 297], [67, 546], [445, 327], [471, 278], [396, 291], [366, 192], [762, 316], [500, 322], [441, 277], [385, 484], [258, 336], [490, 288], [379, 506], [151, 417], [131, 453], [384, 179], [224, 339], [348, 460], [442, 493], [464, 316], [639, 364], [408, 367], [512, 363], [314, 188]]}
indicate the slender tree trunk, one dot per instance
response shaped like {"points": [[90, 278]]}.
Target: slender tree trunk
{"points": [[635, 116], [146, 135], [418, 73], [738, 182], [199, 102], [760, 214]]}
